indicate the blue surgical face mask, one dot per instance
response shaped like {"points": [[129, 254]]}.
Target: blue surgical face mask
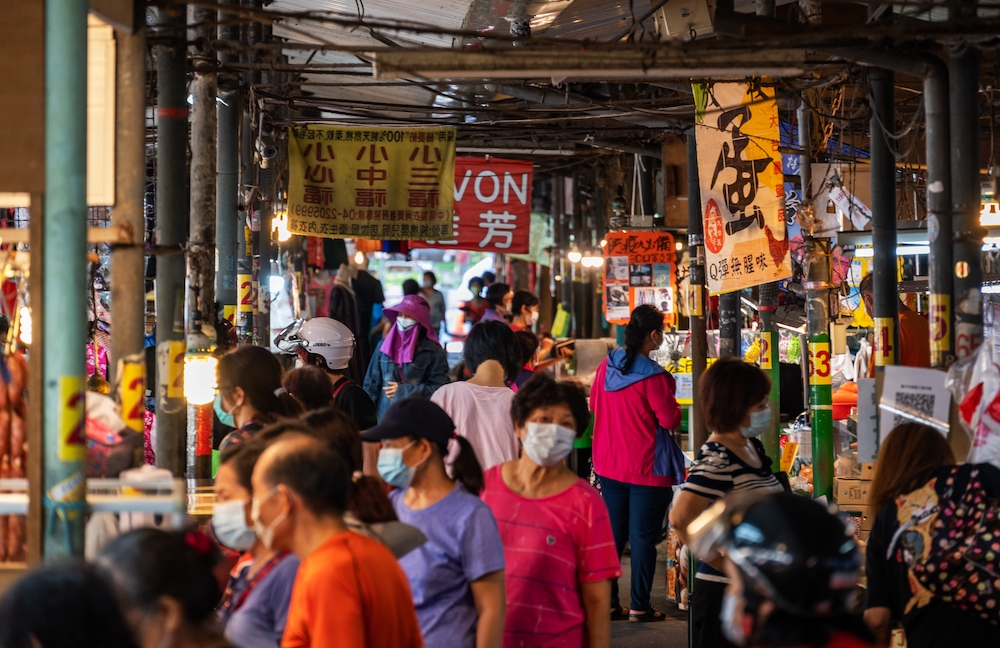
{"points": [[760, 421], [230, 525], [392, 469], [226, 418]]}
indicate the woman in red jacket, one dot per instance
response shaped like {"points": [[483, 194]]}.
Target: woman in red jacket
{"points": [[635, 457]]}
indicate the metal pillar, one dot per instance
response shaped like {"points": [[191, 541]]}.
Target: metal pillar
{"points": [[227, 197], [769, 364], [267, 251], [883, 178], [171, 219], [64, 278], [963, 75], [697, 431], [647, 192], [128, 289], [817, 287], [729, 324]]}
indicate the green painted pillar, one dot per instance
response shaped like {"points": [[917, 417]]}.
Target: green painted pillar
{"points": [[64, 280], [821, 411]]}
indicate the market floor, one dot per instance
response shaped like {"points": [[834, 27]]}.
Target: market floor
{"points": [[671, 633]]}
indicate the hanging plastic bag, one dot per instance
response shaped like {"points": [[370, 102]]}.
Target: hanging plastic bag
{"points": [[975, 384]]}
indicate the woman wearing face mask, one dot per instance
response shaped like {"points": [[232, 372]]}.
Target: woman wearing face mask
{"points": [[409, 361], [635, 456], [557, 539], [255, 604], [525, 308], [457, 577], [166, 586], [250, 394], [733, 397]]}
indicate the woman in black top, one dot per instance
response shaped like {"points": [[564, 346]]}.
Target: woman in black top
{"points": [[910, 457]]}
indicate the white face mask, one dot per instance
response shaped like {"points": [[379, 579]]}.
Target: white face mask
{"points": [[760, 421], [534, 318], [405, 323], [548, 443], [265, 533], [229, 522]]}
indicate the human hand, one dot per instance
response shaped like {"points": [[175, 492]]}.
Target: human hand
{"points": [[390, 389]]}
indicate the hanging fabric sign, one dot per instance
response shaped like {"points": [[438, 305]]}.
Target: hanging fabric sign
{"points": [[393, 184], [492, 206], [742, 190], [639, 268]]}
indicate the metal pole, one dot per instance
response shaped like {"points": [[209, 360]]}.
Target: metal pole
{"points": [[200, 300], [647, 193], [963, 74], [883, 178], [939, 225], [227, 198], [729, 324], [128, 289], [697, 431], [64, 276], [171, 219]]}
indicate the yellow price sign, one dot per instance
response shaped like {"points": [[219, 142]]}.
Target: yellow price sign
{"points": [[766, 350], [819, 363], [244, 299], [175, 370], [72, 424], [885, 336], [133, 394], [229, 314], [939, 319]]}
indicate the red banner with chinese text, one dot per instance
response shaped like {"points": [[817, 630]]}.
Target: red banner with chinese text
{"points": [[492, 206], [377, 183]]}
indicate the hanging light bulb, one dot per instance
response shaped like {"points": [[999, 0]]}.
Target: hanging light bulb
{"points": [[359, 257], [280, 226], [24, 326], [574, 255]]}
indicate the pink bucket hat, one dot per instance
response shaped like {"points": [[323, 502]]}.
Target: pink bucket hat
{"points": [[415, 307]]}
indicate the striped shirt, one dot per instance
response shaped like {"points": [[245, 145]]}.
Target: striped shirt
{"points": [[551, 545], [717, 470]]}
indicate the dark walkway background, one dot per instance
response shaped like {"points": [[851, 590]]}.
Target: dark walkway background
{"points": [[671, 633]]}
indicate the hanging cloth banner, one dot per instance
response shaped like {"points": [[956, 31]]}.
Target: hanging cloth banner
{"points": [[742, 186], [391, 184], [492, 206]]}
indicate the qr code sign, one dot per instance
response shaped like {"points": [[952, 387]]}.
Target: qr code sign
{"points": [[920, 405]]}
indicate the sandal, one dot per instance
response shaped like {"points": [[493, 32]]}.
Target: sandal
{"points": [[619, 613], [647, 616]]}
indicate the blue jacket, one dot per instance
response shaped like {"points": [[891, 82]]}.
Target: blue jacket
{"points": [[422, 377]]}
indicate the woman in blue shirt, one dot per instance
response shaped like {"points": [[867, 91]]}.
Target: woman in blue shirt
{"points": [[457, 577], [255, 605]]}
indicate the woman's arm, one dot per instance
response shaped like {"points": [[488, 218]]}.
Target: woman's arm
{"points": [[663, 401], [490, 596], [437, 374], [597, 606], [687, 507], [879, 621], [373, 378]]}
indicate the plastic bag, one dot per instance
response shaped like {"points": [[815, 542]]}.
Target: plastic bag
{"points": [[975, 385]]}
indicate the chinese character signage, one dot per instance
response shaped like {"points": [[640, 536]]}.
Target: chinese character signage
{"points": [[639, 268], [492, 206], [742, 190], [393, 184]]}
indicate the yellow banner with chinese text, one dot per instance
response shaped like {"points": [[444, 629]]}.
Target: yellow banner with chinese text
{"points": [[377, 183]]}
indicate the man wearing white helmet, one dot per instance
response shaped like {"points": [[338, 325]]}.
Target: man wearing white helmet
{"points": [[329, 344]]}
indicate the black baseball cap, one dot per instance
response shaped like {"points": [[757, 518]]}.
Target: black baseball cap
{"points": [[416, 417]]}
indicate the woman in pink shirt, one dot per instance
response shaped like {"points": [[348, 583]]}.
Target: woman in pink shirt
{"points": [[558, 546], [635, 457]]}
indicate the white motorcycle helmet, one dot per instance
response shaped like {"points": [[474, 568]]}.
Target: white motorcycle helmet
{"points": [[323, 336]]}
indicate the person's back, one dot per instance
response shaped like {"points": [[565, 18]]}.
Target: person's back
{"points": [[482, 415], [351, 592], [914, 339]]}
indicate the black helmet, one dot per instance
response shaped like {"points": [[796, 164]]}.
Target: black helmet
{"points": [[790, 550]]}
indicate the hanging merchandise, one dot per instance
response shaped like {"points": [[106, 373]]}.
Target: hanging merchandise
{"points": [[974, 382], [742, 185], [639, 268], [492, 206], [349, 182]]}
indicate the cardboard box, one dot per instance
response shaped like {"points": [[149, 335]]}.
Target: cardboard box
{"points": [[862, 515], [867, 470], [852, 491]]}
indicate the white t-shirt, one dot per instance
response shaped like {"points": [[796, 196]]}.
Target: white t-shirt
{"points": [[481, 415]]}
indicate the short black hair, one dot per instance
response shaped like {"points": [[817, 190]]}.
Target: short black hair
{"points": [[527, 342], [496, 292], [149, 563], [476, 280], [493, 340], [523, 298], [727, 390], [489, 276], [432, 276], [242, 457], [542, 391], [410, 287], [310, 385], [317, 475], [71, 593]]}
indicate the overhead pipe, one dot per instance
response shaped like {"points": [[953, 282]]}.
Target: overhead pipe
{"points": [[934, 73]]}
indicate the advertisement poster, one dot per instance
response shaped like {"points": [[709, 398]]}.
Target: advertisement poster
{"points": [[492, 207], [742, 185], [377, 183], [638, 269]]}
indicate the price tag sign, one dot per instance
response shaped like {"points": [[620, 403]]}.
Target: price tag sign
{"points": [[938, 318], [819, 363], [766, 350], [133, 395], [244, 302], [885, 336], [72, 424], [229, 314], [175, 371]]}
